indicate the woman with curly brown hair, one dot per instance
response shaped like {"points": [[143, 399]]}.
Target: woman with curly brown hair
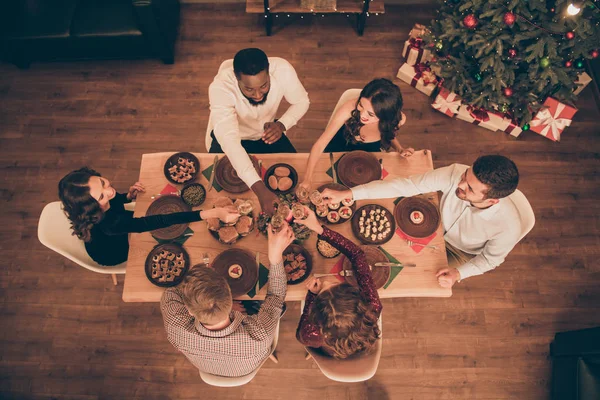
{"points": [[339, 318], [369, 123], [98, 216]]}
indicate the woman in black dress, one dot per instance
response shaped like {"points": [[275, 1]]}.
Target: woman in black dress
{"points": [[98, 216], [369, 122]]}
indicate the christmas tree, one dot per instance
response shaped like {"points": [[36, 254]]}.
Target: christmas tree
{"points": [[512, 55]]}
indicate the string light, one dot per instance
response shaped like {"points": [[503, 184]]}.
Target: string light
{"points": [[573, 9]]}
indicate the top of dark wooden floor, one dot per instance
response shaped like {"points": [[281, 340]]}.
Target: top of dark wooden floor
{"points": [[66, 334]]}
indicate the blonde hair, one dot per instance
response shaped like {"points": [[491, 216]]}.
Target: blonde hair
{"points": [[206, 295]]}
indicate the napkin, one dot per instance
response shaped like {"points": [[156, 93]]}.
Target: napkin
{"points": [[394, 270], [416, 248], [169, 189], [337, 268], [263, 278], [207, 172]]}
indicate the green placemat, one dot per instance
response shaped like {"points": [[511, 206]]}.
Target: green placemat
{"points": [[207, 172], [330, 170], [395, 270], [263, 278], [398, 200], [180, 240]]}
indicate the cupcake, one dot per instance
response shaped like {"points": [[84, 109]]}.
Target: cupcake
{"points": [[333, 217]]}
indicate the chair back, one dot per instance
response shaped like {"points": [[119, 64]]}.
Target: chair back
{"points": [[54, 232], [526, 214], [226, 381], [357, 368], [346, 96]]}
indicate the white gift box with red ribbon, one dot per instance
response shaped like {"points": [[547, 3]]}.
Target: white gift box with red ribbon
{"points": [[419, 76], [551, 120], [415, 52], [447, 102], [481, 117]]}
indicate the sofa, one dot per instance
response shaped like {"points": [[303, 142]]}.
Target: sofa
{"points": [[48, 30], [576, 365]]}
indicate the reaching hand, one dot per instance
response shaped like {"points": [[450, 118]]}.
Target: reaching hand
{"points": [[311, 221], [447, 277], [407, 152], [267, 202], [239, 307], [278, 242], [314, 284], [134, 190], [335, 196], [272, 132], [227, 214]]}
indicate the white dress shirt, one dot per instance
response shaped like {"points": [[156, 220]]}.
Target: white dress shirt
{"points": [[489, 233], [234, 119]]}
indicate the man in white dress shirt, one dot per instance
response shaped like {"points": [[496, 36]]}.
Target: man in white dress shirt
{"points": [[481, 226], [244, 98]]}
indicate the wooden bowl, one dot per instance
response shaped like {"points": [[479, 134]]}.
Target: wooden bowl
{"points": [[227, 177], [357, 168], [150, 264], [430, 212], [168, 204], [188, 186], [242, 285], [384, 212], [293, 176], [380, 274], [297, 249], [173, 161], [337, 252]]}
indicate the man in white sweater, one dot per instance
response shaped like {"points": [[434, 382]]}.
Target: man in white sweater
{"points": [[244, 99], [481, 225]]}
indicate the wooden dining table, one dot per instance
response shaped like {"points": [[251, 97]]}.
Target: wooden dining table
{"points": [[419, 281]]}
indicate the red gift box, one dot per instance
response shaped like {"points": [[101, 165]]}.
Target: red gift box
{"points": [[551, 120], [447, 102]]}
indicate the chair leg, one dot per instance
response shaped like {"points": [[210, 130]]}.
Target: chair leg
{"points": [[273, 358], [114, 279], [308, 356]]}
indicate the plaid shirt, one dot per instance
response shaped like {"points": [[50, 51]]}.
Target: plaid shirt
{"points": [[236, 350]]}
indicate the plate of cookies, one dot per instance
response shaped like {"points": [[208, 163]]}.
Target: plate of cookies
{"points": [[336, 213], [181, 168], [297, 263], [373, 224], [167, 264], [281, 178], [234, 231]]}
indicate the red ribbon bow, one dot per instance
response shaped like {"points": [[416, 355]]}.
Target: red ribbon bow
{"points": [[480, 114], [416, 43], [423, 70]]}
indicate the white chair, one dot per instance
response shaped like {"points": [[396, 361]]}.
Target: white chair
{"points": [[225, 381], [525, 212], [54, 232], [357, 368]]}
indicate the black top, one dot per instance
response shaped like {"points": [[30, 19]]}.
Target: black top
{"points": [[110, 243], [339, 144]]}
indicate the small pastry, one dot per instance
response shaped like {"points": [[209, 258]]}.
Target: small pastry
{"points": [[235, 271]]}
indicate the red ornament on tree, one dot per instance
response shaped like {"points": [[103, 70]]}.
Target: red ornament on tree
{"points": [[594, 53], [570, 35], [509, 18], [512, 53], [569, 64], [507, 91], [470, 21]]}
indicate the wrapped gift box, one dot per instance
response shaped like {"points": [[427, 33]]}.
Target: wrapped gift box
{"points": [[418, 76], [418, 30], [414, 51], [551, 120], [583, 79], [479, 116], [447, 102], [511, 127]]}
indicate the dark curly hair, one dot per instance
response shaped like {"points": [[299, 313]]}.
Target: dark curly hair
{"points": [[499, 173], [81, 208], [387, 104], [250, 61], [347, 320]]}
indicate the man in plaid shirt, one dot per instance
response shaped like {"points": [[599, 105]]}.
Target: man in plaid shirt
{"points": [[200, 322]]}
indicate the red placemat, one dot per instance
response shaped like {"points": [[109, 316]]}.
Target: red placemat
{"points": [[416, 248], [337, 268], [263, 170]]}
